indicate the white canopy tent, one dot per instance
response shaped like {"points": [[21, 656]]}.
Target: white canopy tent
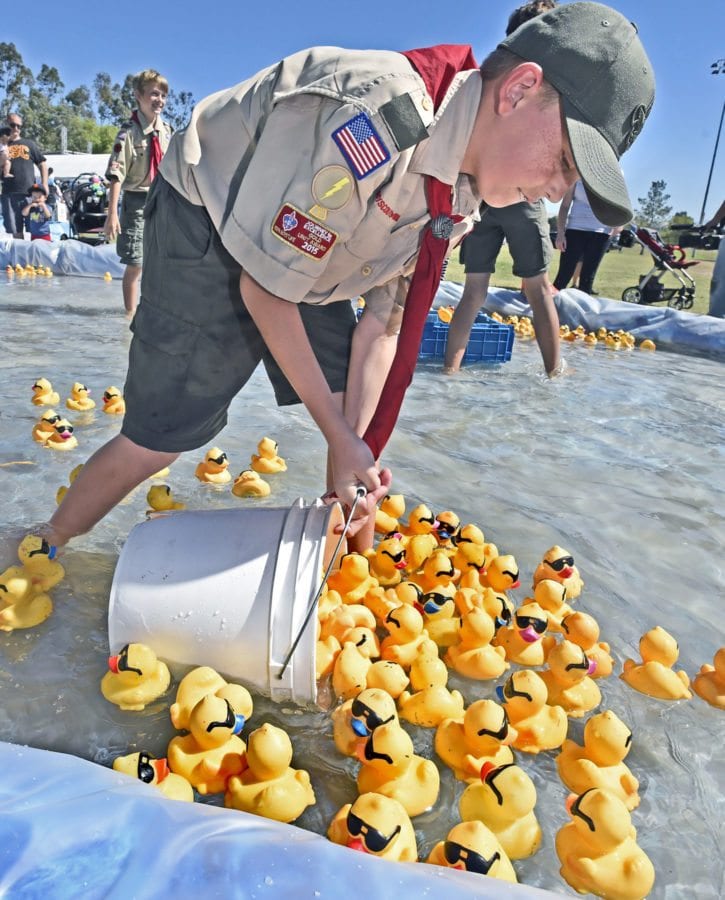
{"points": [[68, 165]]}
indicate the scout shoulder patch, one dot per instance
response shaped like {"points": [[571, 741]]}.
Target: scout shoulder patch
{"points": [[302, 233], [361, 145], [403, 121]]}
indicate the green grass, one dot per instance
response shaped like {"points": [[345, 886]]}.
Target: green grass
{"points": [[618, 270]]}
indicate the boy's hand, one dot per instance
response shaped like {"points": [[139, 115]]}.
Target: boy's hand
{"points": [[352, 464], [112, 227]]}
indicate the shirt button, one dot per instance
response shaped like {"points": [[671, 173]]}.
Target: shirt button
{"points": [[426, 103], [366, 270]]}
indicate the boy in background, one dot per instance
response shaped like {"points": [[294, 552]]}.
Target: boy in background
{"points": [[38, 214], [132, 166]]}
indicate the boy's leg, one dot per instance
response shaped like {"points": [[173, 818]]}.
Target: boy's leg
{"points": [[108, 476], [569, 258], [459, 330], [130, 285]]}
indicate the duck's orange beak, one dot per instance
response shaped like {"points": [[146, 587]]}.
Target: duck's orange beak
{"points": [[113, 664]]}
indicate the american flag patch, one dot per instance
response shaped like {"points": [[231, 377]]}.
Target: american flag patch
{"points": [[361, 145]]}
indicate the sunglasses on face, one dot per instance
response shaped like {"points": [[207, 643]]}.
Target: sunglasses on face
{"points": [[561, 563], [219, 459], [472, 861], [371, 718], [371, 837], [538, 625], [434, 603], [396, 557], [15, 125]]}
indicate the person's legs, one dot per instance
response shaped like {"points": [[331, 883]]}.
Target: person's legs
{"points": [[570, 257], [464, 315], [593, 252], [12, 217], [108, 476], [130, 285]]}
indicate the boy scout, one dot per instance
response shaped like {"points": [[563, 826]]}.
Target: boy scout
{"points": [[322, 178], [137, 152]]}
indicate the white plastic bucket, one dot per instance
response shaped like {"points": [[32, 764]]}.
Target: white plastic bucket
{"points": [[229, 589]]}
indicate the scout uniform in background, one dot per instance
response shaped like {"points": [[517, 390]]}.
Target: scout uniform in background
{"points": [[130, 164], [310, 176]]}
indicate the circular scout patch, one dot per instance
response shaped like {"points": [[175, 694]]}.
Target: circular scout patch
{"points": [[332, 187]]}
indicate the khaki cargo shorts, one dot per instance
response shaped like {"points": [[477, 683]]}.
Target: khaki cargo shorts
{"points": [[129, 243], [194, 343], [524, 226]]}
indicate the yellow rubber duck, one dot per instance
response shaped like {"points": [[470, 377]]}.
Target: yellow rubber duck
{"points": [[445, 314], [590, 339], [598, 849], [107, 276], [62, 437], [249, 484], [599, 763], [432, 702], [472, 847], [523, 640], [135, 677], [214, 468], [45, 426], [63, 489], [406, 633], [113, 402], [449, 527], [482, 735], [352, 579], [420, 521], [326, 652], [441, 621], [388, 513], [655, 675], [79, 398], [647, 344], [350, 672], [37, 557], [504, 800], [418, 549], [355, 720], [22, 605], [265, 460], [160, 499], [551, 597], [387, 560], [200, 682], [156, 772], [390, 767], [502, 573], [568, 680], [470, 533], [582, 629], [709, 683], [437, 575], [538, 725], [345, 617], [377, 825], [387, 676], [558, 564], [474, 656], [269, 787], [43, 393], [212, 752]]}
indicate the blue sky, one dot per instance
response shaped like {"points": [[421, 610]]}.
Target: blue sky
{"points": [[205, 47]]}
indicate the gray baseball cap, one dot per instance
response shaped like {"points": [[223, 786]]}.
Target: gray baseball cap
{"points": [[592, 55]]}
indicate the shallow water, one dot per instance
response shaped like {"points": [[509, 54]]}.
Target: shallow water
{"points": [[621, 462]]}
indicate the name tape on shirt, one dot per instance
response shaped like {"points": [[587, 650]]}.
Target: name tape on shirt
{"points": [[361, 145], [302, 233]]}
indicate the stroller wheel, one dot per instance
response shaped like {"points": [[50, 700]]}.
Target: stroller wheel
{"points": [[687, 302], [632, 295], [677, 302]]}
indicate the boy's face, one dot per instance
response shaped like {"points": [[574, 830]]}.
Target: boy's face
{"points": [[37, 196], [529, 157], [151, 100]]}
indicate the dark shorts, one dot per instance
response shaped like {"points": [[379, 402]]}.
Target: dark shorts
{"points": [[129, 243], [194, 343], [12, 205], [526, 229]]}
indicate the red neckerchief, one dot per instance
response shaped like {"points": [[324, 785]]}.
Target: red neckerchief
{"points": [[155, 152], [437, 66]]}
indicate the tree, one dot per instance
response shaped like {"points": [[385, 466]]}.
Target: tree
{"points": [[654, 211], [48, 83], [110, 103], [15, 76], [177, 111], [79, 102]]}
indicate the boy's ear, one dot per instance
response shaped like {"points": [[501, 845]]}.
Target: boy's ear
{"points": [[519, 86]]}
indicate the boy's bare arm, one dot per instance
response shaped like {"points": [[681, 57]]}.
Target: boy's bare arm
{"points": [[280, 324]]}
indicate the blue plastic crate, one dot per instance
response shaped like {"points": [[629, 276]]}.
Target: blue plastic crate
{"points": [[490, 341]]}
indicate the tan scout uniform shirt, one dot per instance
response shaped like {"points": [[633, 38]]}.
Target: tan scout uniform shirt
{"points": [[265, 148], [129, 161]]}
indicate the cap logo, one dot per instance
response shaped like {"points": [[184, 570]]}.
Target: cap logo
{"points": [[636, 124]]}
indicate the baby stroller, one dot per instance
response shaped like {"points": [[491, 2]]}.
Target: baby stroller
{"points": [[667, 258], [86, 199]]}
